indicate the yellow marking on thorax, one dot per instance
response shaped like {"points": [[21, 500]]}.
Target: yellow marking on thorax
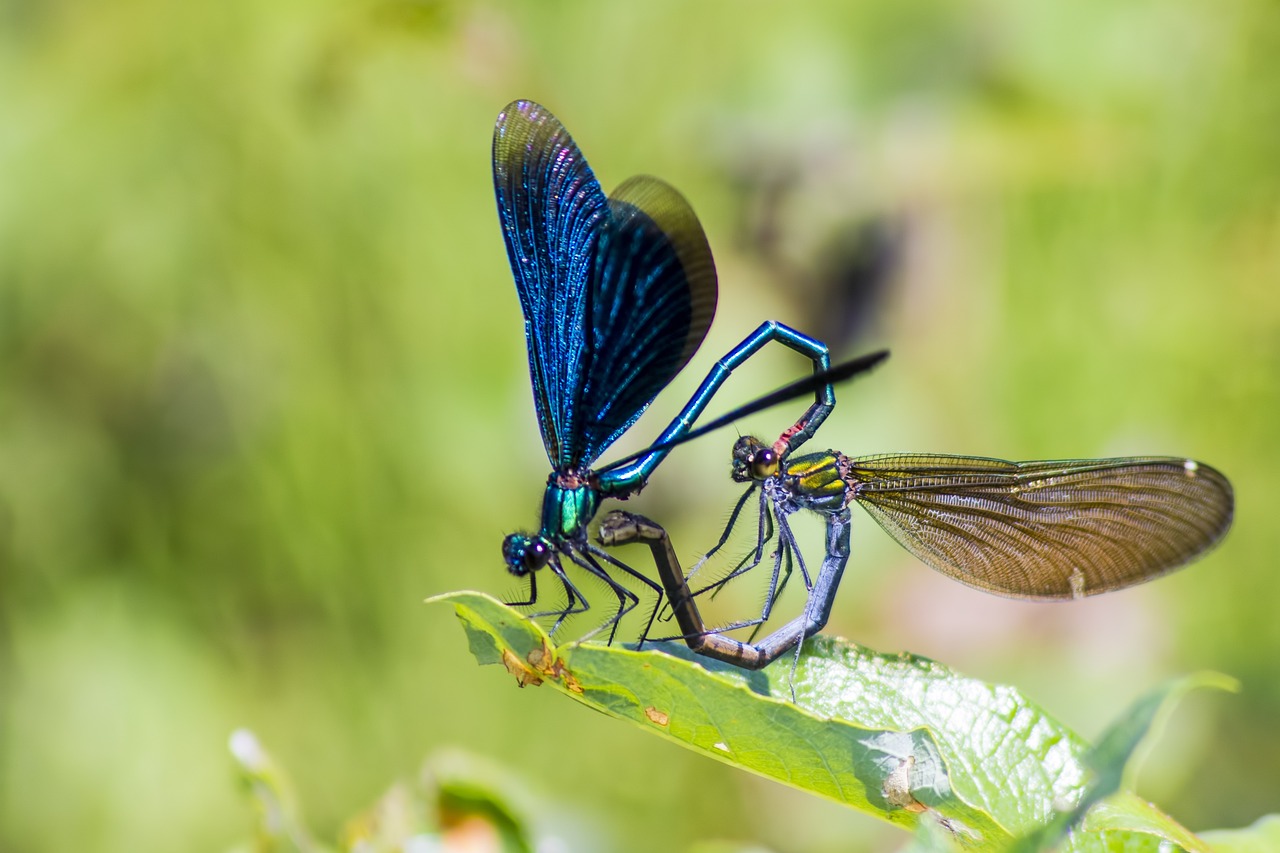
{"points": [[816, 475]]}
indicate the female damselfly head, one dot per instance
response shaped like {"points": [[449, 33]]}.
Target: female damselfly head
{"points": [[524, 553], [753, 460]]}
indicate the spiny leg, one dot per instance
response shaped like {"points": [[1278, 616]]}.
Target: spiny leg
{"points": [[661, 612], [822, 596], [764, 534], [626, 598], [572, 595], [817, 609], [789, 546], [728, 529], [657, 589], [781, 556], [533, 593], [621, 527], [782, 559], [618, 528]]}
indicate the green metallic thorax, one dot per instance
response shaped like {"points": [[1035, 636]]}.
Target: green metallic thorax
{"points": [[814, 481], [566, 510]]}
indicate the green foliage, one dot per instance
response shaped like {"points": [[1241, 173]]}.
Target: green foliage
{"points": [[280, 825], [1262, 837], [1107, 813], [263, 384], [455, 804], [897, 736]]}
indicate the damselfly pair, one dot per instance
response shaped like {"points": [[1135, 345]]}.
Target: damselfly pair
{"points": [[618, 293]]}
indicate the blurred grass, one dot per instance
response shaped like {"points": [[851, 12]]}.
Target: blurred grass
{"points": [[263, 385]]}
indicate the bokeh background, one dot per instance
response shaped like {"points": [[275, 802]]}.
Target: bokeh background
{"points": [[263, 385]]}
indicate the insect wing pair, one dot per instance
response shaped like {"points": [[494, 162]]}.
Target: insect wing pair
{"points": [[617, 293]]}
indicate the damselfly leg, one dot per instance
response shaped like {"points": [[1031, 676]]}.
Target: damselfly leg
{"points": [[619, 528]]}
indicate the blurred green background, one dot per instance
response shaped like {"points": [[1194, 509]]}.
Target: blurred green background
{"points": [[263, 385]]}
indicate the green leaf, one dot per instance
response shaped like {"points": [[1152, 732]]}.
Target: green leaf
{"points": [[458, 802], [1123, 821], [1115, 841], [1114, 759], [1262, 837], [1103, 811], [897, 736], [463, 802], [279, 826]]}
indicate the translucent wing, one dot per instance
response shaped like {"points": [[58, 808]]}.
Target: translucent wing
{"points": [[1062, 529], [550, 206], [617, 293]]}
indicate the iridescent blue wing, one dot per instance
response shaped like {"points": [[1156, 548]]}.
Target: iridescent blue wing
{"points": [[617, 294], [653, 296], [551, 207]]}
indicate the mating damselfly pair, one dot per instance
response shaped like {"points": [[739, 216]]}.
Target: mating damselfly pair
{"points": [[619, 291]]}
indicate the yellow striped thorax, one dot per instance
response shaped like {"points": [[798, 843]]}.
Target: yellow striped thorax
{"points": [[814, 481]]}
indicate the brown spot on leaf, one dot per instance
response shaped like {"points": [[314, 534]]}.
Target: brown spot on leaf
{"points": [[538, 658], [569, 681], [523, 673], [539, 664], [557, 669], [656, 716], [897, 787]]}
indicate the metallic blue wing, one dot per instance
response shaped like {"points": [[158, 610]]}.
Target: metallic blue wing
{"points": [[653, 298], [617, 294], [550, 206]]}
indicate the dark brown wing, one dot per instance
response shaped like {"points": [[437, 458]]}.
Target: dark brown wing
{"points": [[1046, 530]]}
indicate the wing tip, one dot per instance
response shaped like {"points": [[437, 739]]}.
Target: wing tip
{"points": [[672, 213], [519, 105]]}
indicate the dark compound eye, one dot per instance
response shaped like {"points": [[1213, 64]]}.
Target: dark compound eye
{"points": [[524, 553], [535, 555], [764, 463], [752, 460]]}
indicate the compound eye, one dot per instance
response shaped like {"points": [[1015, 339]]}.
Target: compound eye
{"points": [[524, 553], [536, 555], [764, 463]]}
